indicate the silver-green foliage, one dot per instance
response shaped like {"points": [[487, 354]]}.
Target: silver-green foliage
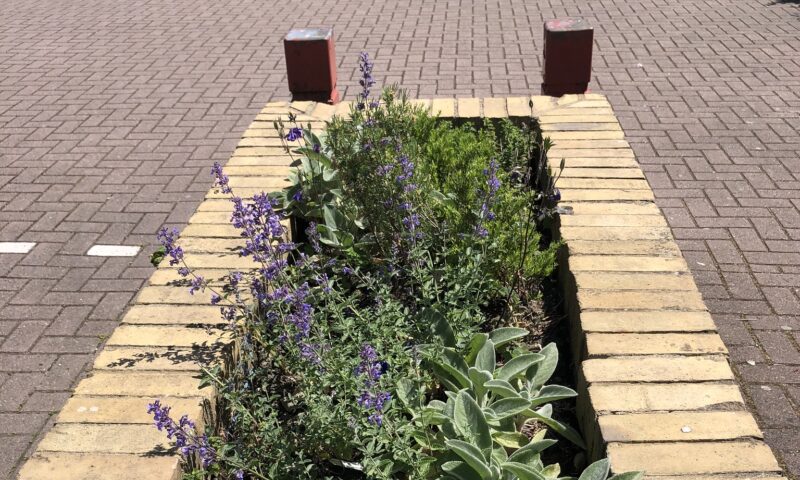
{"points": [[477, 434]]}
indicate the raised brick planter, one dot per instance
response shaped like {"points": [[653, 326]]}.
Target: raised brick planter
{"points": [[657, 392]]}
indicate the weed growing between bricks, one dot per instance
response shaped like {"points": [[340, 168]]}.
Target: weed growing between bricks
{"points": [[395, 336]]}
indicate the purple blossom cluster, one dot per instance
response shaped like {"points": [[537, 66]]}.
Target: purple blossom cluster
{"points": [[372, 399], [313, 236], [289, 308], [231, 288], [311, 353], [405, 182], [184, 433], [220, 179], [404, 179], [366, 81], [260, 224], [492, 187], [295, 133], [384, 170], [300, 312], [198, 283], [168, 239]]}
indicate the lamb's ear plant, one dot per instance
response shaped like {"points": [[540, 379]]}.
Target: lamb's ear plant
{"points": [[478, 432], [315, 192], [505, 395]]}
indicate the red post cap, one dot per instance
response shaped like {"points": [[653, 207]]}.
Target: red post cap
{"points": [[311, 64], [567, 66]]}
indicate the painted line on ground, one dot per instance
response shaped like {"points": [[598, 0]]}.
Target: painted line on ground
{"points": [[113, 250], [16, 247]]}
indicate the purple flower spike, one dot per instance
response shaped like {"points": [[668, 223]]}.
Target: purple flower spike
{"points": [[167, 239], [366, 81], [198, 283], [220, 179], [372, 399], [492, 186], [183, 432]]}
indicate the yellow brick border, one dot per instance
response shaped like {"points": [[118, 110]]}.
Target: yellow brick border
{"points": [[657, 391]]}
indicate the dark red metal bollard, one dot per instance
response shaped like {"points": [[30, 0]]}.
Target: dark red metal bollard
{"points": [[311, 64], [567, 56]]}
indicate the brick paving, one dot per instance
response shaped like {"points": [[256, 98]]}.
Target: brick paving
{"points": [[111, 113]]}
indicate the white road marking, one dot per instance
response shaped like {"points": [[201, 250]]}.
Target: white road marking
{"points": [[16, 247], [113, 250]]}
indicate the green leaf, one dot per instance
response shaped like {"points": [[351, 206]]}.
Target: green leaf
{"points": [[502, 336], [518, 365], [510, 439], [475, 344], [447, 201], [328, 235], [523, 472], [329, 174], [596, 471], [499, 454], [501, 388], [479, 379], [439, 326], [305, 165], [317, 157], [333, 217], [470, 421], [508, 407], [551, 393], [157, 256], [444, 376], [454, 364], [544, 416], [429, 441], [628, 476], [529, 454], [541, 372], [485, 360], [472, 456], [433, 417], [552, 471], [460, 470], [407, 392]]}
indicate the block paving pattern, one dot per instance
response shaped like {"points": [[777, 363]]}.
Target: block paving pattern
{"points": [[111, 114]]}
